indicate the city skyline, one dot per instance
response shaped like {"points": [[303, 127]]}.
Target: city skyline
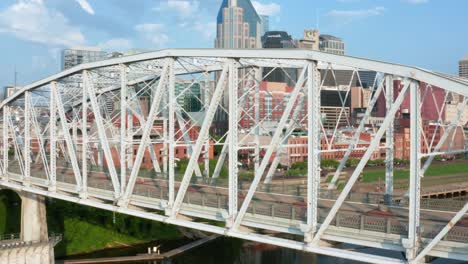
{"points": [[399, 32]]}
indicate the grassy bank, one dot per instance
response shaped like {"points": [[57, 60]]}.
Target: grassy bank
{"points": [[85, 229], [82, 237], [372, 175]]}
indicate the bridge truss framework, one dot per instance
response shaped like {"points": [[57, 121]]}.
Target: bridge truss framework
{"points": [[62, 121]]}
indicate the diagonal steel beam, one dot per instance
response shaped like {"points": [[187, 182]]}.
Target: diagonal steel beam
{"points": [[39, 137], [180, 121], [138, 113], [66, 132], [356, 136], [440, 235], [5, 141], [123, 127], [89, 86], [375, 142], [284, 140], [389, 142], [53, 138], [84, 144], [204, 131], [453, 124], [276, 140], [27, 139], [146, 132]]}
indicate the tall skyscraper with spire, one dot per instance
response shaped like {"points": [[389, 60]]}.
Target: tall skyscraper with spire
{"points": [[238, 26]]}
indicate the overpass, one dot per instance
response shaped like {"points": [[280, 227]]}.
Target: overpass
{"points": [[86, 136]]}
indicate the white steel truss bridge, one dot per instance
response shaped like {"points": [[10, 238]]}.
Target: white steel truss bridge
{"points": [[190, 135]]}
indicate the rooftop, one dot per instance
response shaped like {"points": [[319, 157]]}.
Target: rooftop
{"points": [[329, 37]]}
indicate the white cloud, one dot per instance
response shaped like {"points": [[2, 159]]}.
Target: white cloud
{"points": [[86, 6], [348, 16], [116, 44], [208, 30], [155, 33], [416, 2], [32, 21], [182, 8], [270, 9], [188, 16]]}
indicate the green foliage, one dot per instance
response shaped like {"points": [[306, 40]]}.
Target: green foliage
{"points": [[351, 163], [330, 164], [223, 174], [376, 163], [246, 175], [10, 212], [401, 162], [299, 165]]}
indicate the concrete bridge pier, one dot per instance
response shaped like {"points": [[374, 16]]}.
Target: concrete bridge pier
{"points": [[33, 218], [33, 245]]}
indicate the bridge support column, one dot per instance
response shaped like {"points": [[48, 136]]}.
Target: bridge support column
{"points": [[33, 218], [313, 158], [412, 243], [34, 230], [389, 144]]}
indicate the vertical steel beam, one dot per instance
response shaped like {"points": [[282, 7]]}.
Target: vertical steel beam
{"points": [[68, 140], [373, 145], [204, 130], [84, 145], [147, 129], [415, 176], [258, 79], [88, 83], [206, 104], [27, 138], [74, 128], [233, 86], [171, 139], [389, 143], [165, 150], [5, 142], [313, 155], [53, 137], [123, 127], [130, 141], [275, 142]]}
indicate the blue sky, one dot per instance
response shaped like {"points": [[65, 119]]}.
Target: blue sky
{"points": [[432, 34]]}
